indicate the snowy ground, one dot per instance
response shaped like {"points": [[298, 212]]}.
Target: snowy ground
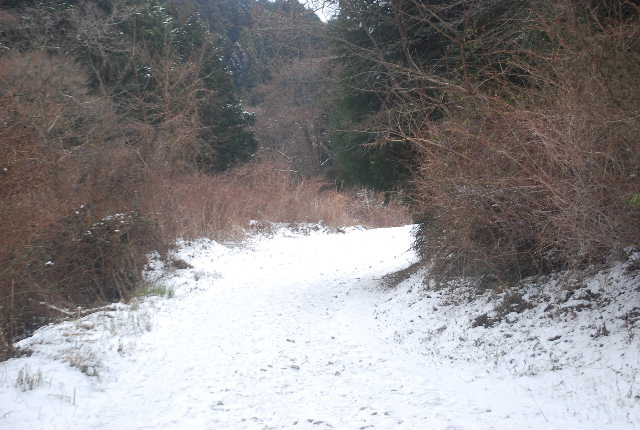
{"points": [[297, 331]]}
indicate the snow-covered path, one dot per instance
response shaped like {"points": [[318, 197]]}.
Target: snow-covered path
{"points": [[279, 333]]}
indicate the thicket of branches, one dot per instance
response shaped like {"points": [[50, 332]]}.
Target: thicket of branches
{"points": [[524, 118]]}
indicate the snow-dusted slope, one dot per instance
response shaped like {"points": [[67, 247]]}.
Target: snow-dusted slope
{"points": [[290, 331]]}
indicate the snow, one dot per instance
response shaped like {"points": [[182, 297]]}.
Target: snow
{"points": [[295, 329]]}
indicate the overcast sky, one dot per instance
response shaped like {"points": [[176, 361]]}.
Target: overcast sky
{"points": [[322, 8]]}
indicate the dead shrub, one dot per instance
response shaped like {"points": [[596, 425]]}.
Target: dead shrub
{"points": [[62, 148], [80, 260], [538, 177], [93, 260]]}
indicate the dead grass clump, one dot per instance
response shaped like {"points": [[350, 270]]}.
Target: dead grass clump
{"points": [[539, 177], [28, 380]]}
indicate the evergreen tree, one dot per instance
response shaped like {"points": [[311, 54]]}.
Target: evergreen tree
{"points": [[396, 58]]}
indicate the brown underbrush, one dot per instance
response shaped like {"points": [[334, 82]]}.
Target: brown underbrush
{"points": [[222, 206], [66, 168], [522, 179]]}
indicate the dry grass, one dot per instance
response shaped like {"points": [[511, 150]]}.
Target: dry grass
{"points": [[220, 206]]}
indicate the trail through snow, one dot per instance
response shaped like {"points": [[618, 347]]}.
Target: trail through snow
{"points": [[277, 333]]}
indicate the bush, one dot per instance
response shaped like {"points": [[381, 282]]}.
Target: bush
{"points": [[63, 147], [520, 179], [79, 261]]}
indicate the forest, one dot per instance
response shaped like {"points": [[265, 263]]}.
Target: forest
{"points": [[507, 130]]}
